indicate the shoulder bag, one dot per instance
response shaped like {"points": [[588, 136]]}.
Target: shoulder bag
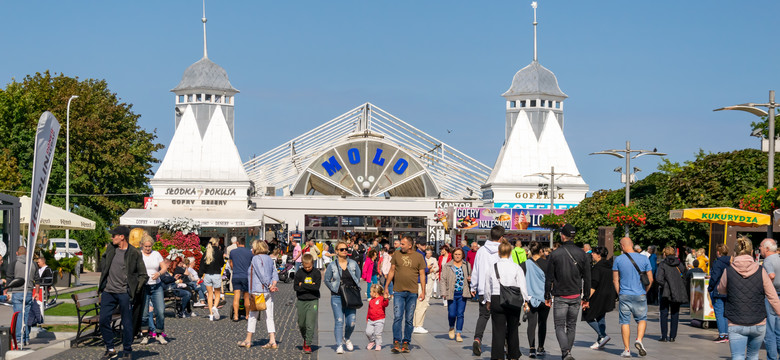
{"points": [[642, 275], [510, 297], [350, 295], [258, 301]]}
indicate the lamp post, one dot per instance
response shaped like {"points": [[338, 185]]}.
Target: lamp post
{"points": [[552, 189], [626, 153], [753, 108], [67, 182]]}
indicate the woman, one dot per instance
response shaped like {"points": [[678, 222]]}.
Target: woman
{"points": [[672, 288], [455, 277], [346, 270], [211, 270], [370, 271], [445, 256], [746, 286], [262, 280], [505, 321], [720, 264], [386, 269], [327, 255], [433, 273], [153, 293], [536, 273], [602, 296]]}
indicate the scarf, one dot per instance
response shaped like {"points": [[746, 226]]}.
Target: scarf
{"points": [[535, 282]]}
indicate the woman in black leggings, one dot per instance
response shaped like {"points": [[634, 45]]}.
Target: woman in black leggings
{"points": [[537, 311]]}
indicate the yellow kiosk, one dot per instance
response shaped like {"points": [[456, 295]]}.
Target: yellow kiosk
{"points": [[719, 219]]}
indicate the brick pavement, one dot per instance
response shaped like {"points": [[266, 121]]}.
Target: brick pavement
{"points": [[199, 338]]}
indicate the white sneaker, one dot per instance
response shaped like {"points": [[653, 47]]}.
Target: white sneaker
{"points": [[340, 350], [215, 311], [445, 302], [420, 330], [199, 304], [595, 345], [640, 347], [604, 341], [626, 354], [349, 345], [211, 317], [161, 339], [145, 340]]}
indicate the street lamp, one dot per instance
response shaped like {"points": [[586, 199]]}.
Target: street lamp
{"points": [[67, 181], [626, 153], [753, 109], [552, 189]]}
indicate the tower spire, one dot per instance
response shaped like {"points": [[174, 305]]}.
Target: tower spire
{"points": [[533, 5], [205, 49]]}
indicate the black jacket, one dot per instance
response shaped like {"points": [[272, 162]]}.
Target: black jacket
{"points": [[134, 268], [716, 272], [307, 290], [563, 276], [669, 277], [603, 299], [216, 265]]}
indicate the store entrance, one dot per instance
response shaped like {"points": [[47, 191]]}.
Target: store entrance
{"points": [[322, 228]]}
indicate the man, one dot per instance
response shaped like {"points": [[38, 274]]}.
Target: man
{"points": [[722, 262], [471, 255], [297, 253], [230, 248], [768, 249], [422, 307], [311, 248], [518, 253], [484, 259], [240, 259], [632, 294], [172, 280], [122, 277], [406, 266], [586, 248], [568, 281], [638, 250], [17, 293], [396, 244]]}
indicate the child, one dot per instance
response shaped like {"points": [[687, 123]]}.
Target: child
{"points": [[376, 317], [307, 288]]}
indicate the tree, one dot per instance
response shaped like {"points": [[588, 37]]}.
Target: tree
{"points": [[9, 172], [110, 153], [91, 241]]}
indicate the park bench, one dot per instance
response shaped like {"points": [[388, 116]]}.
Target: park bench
{"points": [[88, 313]]}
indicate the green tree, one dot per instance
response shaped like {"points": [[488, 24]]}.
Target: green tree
{"points": [[110, 153], [91, 241], [9, 172]]}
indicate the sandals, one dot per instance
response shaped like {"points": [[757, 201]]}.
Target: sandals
{"points": [[270, 346], [244, 344]]}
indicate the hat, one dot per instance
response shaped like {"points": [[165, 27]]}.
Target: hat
{"points": [[568, 231], [121, 230]]}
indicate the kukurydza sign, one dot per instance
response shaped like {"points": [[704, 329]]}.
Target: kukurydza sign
{"points": [[511, 219]]}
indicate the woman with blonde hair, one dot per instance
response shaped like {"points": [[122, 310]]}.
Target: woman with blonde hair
{"points": [[747, 287], [152, 328], [262, 280], [136, 234], [346, 270], [211, 271]]}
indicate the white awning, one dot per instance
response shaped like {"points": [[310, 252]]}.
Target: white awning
{"points": [[206, 218], [53, 217]]}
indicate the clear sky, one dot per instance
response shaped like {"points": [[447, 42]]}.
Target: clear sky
{"points": [[646, 71]]}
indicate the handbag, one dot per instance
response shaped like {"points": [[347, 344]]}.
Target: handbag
{"points": [[642, 275], [510, 297], [257, 302], [350, 295]]}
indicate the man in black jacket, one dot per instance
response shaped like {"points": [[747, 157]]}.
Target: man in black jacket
{"points": [[122, 277], [568, 281]]}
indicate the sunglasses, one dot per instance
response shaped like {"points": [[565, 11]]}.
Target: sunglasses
{"points": [[341, 249]]}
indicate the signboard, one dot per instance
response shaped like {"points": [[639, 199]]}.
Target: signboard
{"points": [[701, 304], [510, 219], [505, 205], [148, 202]]}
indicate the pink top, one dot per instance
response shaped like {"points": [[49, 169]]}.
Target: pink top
{"points": [[745, 266], [297, 253]]}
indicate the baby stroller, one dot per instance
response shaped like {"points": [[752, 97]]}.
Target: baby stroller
{"points": [[286, 271]]}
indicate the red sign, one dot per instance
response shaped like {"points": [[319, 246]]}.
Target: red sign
{"points": [[148, 202]]}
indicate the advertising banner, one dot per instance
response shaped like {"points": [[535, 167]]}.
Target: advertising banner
{"points": [[511, 219]]}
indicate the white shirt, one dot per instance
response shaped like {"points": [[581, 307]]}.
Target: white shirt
{"points": [[511, 275], [193, 274], [152, 263]]}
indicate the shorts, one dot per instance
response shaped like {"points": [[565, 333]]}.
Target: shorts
{"points": [[213, 280], [241, 284], [635, 305]]}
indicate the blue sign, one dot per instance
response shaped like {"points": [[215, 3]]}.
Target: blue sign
{"points": [[332, 165]]}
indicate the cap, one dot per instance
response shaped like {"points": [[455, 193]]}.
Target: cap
{"points": [[568, 231], [121, 230]]}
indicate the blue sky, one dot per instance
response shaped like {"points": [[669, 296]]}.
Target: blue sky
{"points": [[649, 72]]}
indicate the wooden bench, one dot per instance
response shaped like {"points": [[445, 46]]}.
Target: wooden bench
{"points": [[88, 313]]}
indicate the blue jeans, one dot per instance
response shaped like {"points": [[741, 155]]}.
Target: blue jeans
{"points": [[153, 294], [16, 301], [745, 341], [185, 296], [390, 288], [108, 303], [635, 305], [201, 289], [772, 339], [455, 309], [403, 302], [720, 317], [374, 280], [341, 332], [599, 326]]}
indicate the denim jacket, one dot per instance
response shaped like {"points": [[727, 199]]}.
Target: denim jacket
{"points": [[333, 278], [262, 274]]}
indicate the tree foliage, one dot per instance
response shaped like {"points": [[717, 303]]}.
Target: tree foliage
{"points": [[109, 152]]}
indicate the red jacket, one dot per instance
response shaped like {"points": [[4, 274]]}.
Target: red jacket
{"points": [[376, 308]]}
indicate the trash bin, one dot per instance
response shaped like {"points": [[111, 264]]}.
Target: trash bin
{"points": [[5, 340]]}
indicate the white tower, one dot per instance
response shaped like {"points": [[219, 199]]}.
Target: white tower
{"points": [[534, 145]]}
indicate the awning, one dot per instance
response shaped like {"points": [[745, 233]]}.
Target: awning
{"points": [[722, 215], [53, 217], [206, 218]]}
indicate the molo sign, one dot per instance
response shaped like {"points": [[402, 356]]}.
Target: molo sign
{"points": [[332, 165]]}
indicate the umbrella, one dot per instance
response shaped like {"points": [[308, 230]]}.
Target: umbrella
{"points": [[53, 217], [721, 215]]}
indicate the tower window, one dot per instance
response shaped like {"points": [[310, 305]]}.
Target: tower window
{"points": [[217, 99], [522, 103], [198, 97], [208, 97], [189, 98], [227, 99], [513, 104], [181, 98], [557, 104], [550, 104], [533, 103]]}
